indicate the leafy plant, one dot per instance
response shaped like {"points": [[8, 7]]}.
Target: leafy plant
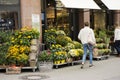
{"points": [[77, 45], [60, 55], [69, 46], [75, 52], [63, 40], [45, 56], [2, 58], [24, 36], [49, 37], [19, 46], [56, 47]]}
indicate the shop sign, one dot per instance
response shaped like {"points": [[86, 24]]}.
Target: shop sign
{"points": [[36, 21], [9, 2]]}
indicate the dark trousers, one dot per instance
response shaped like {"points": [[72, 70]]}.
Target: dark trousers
{"points": [[117, 46]]}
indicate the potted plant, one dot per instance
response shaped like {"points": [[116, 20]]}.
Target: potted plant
{"points": [[45, 59], [75, 54], [59, 57]]}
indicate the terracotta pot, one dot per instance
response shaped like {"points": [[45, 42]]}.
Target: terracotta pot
{"points": [[45, 66]]}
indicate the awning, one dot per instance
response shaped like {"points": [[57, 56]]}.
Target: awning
{"points": [[83, 4], [112, 4]]}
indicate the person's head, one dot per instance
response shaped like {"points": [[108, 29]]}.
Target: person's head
{"points": [[86, 24]]}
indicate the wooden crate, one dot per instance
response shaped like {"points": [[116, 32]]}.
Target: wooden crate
{"points": [[13, 70]]}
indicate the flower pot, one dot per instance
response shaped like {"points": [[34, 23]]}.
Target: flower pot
{"points": [[62, 61], [69, 60], [45, 66], [32, 63], [57, 62]]}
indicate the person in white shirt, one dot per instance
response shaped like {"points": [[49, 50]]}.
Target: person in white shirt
{"points": [[117, 39], [87, 38]]}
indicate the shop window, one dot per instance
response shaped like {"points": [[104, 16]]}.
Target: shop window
{"points": [[9, 2], [57, 16], [8, 20], [99, 19]]}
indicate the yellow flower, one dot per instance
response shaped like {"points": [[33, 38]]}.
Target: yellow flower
{"points": [[19, 36], [21, 41], [12, 38], [29, 36]]}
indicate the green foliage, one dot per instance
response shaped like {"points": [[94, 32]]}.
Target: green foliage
{"points": [[77, 44], [2, 58], [69, 46], [101, 46], [49, 37], [59, 55], [19, 46], [23, 37], [45, 56], [102, 34], [5, 36], [99, 40], [63, 40], [4, 44], [60, 32], [75, 52], [56, 48]]}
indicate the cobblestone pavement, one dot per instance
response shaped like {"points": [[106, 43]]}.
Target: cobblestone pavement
{"points": [[102, 70]]}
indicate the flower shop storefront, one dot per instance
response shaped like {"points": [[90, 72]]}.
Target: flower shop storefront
{"points": [[63, 50]]}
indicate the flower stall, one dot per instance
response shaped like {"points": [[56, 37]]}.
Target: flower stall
{"points": [[18, 47], [101, 50], [60, 45]]}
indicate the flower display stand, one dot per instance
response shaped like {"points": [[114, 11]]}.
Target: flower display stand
{"points": [[77, 61], [72, 62], [13, 70], [103, 57], [28, 67], [56, 65], [100, 55]]}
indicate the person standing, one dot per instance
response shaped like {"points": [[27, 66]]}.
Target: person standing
{"points": [[117, 39], [87, 38]]}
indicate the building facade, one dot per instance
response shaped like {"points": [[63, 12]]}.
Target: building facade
{"points": [[15, 14], [44, 14]]}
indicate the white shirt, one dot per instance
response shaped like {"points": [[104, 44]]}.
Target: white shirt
{"points": [[117, 34], [84, 35]]}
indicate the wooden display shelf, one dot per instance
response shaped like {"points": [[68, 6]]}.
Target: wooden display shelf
{"points": [[77, 61], [101, 57], [72, 62], [13, 70], [56, 65], [33, 68]]}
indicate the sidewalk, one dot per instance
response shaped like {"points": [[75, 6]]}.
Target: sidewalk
{"points": [[102, 70]]}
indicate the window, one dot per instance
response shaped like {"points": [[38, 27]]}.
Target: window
{"points": [[9, 2]]}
